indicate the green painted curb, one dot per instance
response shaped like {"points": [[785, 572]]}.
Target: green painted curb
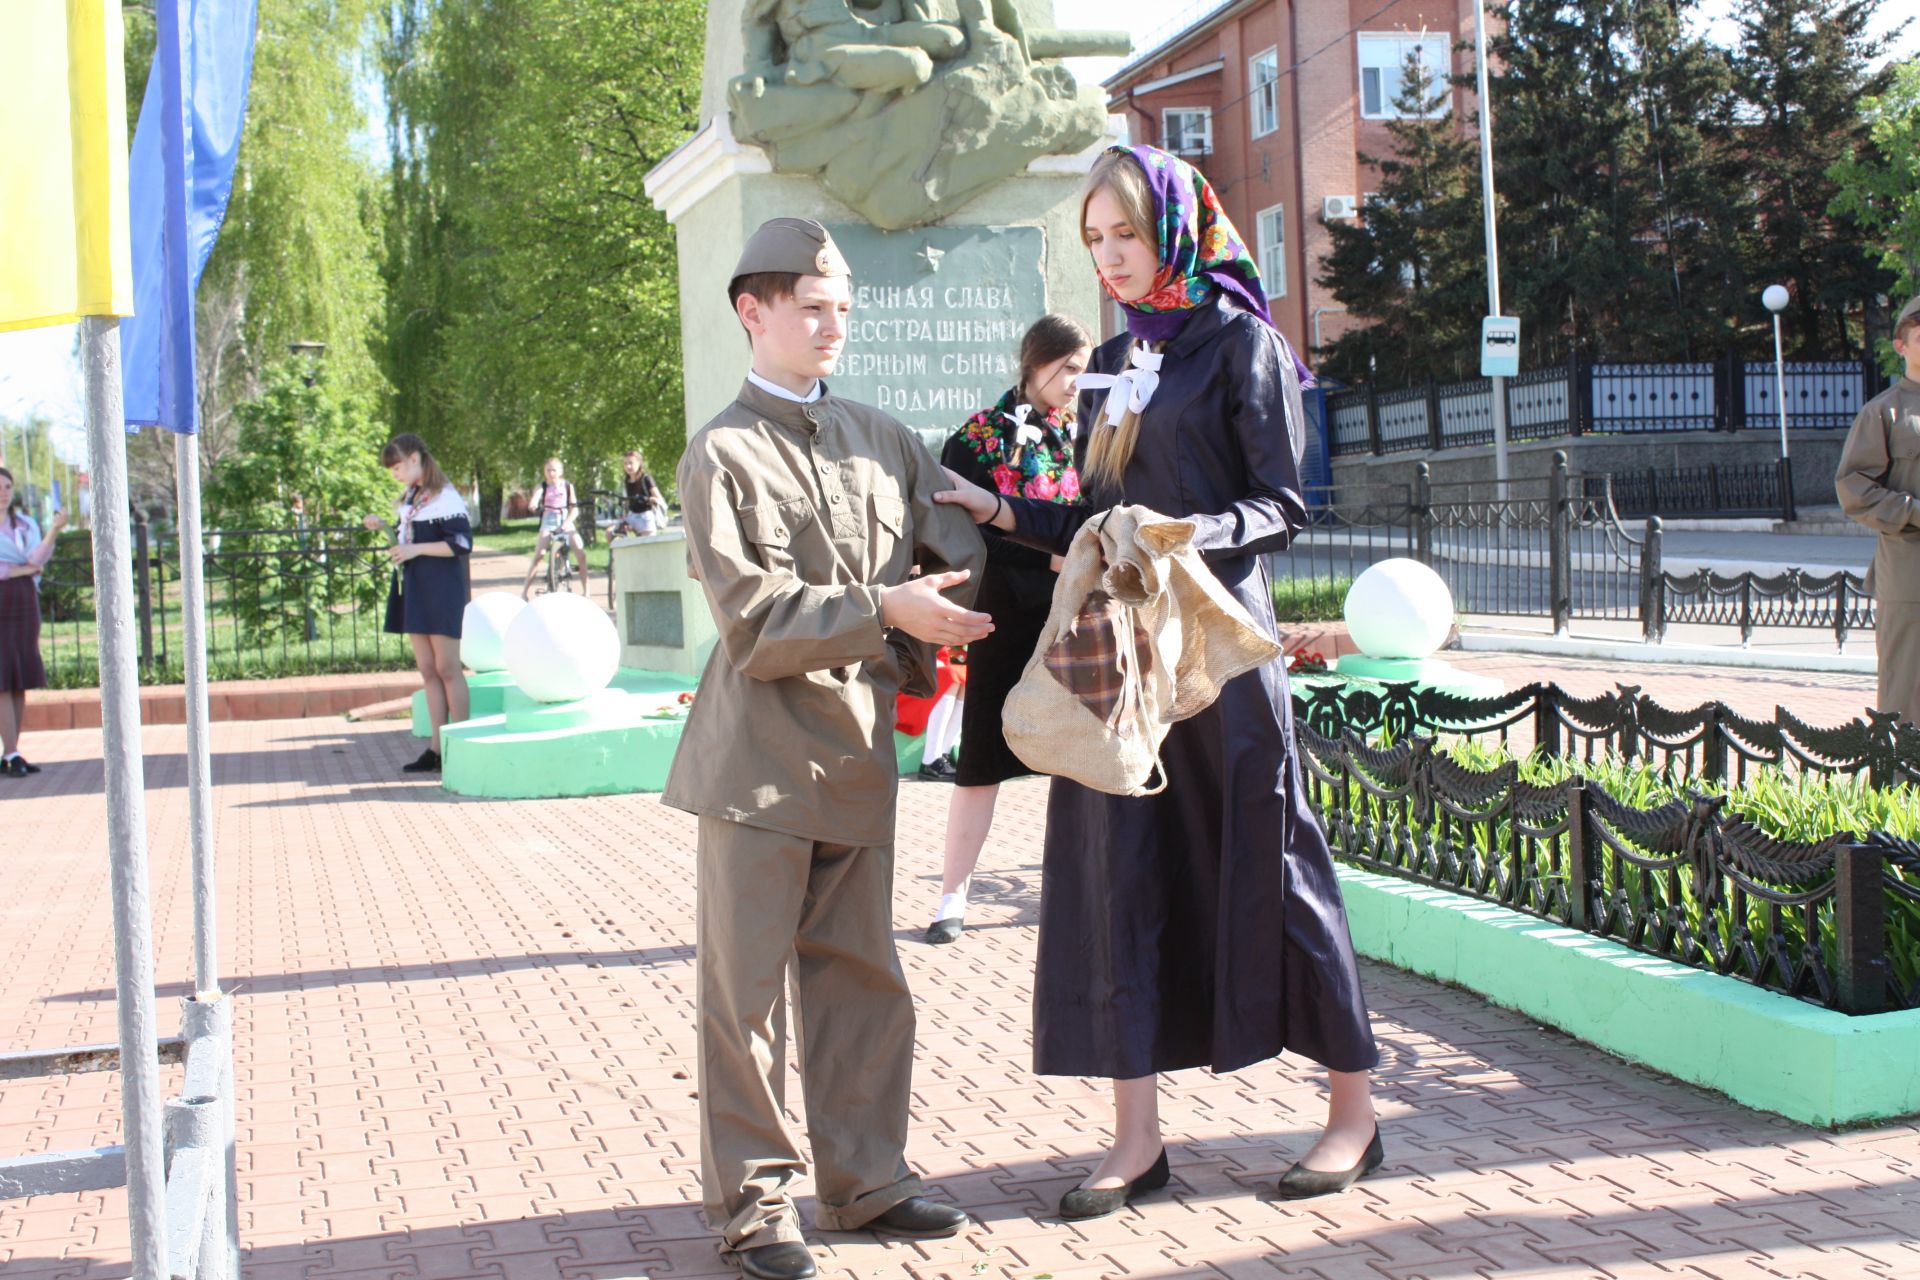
{"points": [[1762, 1049], [1428, 673], [486, 696], [487, 692]]}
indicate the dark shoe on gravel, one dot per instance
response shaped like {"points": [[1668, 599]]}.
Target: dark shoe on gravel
{"points": [[429, 762], [918, 1218], [944, 931], [1083, 1202], [787, 1261], [1302, 1183]]}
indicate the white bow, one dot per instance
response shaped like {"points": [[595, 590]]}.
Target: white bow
{"points": [[1131, 389], [1024, 433]]}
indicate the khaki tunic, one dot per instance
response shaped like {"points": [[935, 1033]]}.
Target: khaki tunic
{"points": [[795, 514], [1879, 486]]}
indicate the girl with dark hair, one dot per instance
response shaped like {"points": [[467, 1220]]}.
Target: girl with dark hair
{"points": [[23, 554], [432, 539], [1022, 445], [1201, 926]]}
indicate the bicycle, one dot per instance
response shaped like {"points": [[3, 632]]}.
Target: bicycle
{"points": [[560, 572]]}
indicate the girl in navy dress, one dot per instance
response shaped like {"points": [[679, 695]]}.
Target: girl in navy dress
{"points": [[23, 554], [432, 539], [1201, 926]]}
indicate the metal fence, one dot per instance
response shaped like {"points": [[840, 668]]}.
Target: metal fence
{"points": [[279, 601], [1584, 398], [1554, 548], [1832, 921]]}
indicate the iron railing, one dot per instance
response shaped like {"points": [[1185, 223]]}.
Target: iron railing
{"points": [[1838, 602], [1684, 880], [1583, 398], [279, 601]]}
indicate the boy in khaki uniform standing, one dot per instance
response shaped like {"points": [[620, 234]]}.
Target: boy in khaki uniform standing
{"points": [[1879, 486], [805, 516]]}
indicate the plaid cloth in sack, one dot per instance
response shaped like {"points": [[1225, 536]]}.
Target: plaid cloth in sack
{"points": [[1092, 656]]}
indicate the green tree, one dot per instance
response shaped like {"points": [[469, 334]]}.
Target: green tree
{"points": [[304, 472], [1610, 130], [1879, 187], [1803, 68], [1413, 266], [539, 283]]}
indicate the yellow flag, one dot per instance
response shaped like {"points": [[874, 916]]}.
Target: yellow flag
{"points": [[63, 163]]}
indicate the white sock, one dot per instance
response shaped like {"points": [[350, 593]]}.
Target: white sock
{"points": [[939, 721], [953, 906]]}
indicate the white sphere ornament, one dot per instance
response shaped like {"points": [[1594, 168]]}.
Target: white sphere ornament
{"points": [[562, 647], [483, 628], [1399, 609], [1776, 297]]}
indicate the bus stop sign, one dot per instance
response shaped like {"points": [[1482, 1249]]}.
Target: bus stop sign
{"points": [[1500, 347]]}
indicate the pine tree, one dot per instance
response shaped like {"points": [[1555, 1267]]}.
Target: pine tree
{"points": [[1603, 142], [1880, 191], [1412, 267], [1802, 69]]}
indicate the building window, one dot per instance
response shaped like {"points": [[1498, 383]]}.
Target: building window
{"points": [[1383, 64], [1263, 88], [1273, 250], [1188, 130]]}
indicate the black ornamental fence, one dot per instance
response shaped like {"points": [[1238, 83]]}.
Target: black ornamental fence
{"points": [[1555, 548], [278, 602], [1833, 920]]}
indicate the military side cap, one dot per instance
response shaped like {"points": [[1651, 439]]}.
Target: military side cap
{"points": [[799, 246], [1911, 309]]}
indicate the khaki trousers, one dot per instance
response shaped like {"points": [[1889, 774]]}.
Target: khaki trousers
{"points": [[1898, 641], [766, 899]]}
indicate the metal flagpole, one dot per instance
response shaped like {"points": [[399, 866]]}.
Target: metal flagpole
{"points": [[206, 916], [1493, 242], [126, 796]]}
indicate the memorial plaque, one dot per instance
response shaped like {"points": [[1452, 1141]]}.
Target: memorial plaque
{"points": [[938, 314], [653, 619]]}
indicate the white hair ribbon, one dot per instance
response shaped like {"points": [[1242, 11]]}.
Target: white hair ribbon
{"points": [[1024, 433], [1131, 389]]}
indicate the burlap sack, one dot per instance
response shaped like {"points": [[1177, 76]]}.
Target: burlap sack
{"points": [[1141, 634]]}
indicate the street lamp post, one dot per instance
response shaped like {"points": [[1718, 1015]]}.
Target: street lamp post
{"points": [[1499, 385], [1776, 298]]}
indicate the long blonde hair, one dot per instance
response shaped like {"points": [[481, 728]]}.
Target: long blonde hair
{"points": [[1110, 446]]}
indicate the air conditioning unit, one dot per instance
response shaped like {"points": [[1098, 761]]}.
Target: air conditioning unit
{"points": [[1333, 207]]}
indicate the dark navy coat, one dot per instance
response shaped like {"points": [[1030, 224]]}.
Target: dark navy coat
{"points": [[1202, 926]]}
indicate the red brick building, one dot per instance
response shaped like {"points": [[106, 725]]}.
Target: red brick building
{"points": [[1275, 101]]}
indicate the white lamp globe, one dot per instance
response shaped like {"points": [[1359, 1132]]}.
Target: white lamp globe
{"points": [[1399, 609], [484, 626], [1776, 297], [562, 647]]}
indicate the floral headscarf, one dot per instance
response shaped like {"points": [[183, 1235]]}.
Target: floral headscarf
{"points": [[1201, 254], [1027, 459]]}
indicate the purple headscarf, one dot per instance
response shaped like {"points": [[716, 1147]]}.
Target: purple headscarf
{"points": [[1201, 254]]}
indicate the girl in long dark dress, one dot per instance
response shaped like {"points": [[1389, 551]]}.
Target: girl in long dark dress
{"points": [[1201, 926], [23, 554], [433, 537], [1023, 444]]}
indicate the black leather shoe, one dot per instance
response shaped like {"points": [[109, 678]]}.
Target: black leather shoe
{"points": [[429, 762], [20, 762], [944, 931], [1082, 1203], [939, 769], [17, 767], [918, 1218], [786, 1261], [1302, 1183]]}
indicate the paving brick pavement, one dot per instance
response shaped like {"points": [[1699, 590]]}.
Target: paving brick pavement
{"points": [[466, 1050]]}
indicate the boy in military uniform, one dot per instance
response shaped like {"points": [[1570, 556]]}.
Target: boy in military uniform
{"points": [[1879, 486], [805, 516]]}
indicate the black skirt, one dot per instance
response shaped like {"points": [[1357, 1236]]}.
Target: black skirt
{"points": [[993, 668], [428, 597], [20, 665]]}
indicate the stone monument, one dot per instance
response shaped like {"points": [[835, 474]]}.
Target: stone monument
{"points": [[943, 143]]}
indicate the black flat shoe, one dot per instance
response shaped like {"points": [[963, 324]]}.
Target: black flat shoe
{"points": [[21, 762], [18, 767], [429, 762], [1081, 1203], [944, 931], [939, 769], [1302, 1183], [918, 1218], [777, 1262]]}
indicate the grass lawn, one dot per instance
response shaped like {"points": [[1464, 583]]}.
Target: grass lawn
{"points": [[1310, 599]]}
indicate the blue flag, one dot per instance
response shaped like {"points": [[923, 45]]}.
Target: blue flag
{"points": [[179, 177]]}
